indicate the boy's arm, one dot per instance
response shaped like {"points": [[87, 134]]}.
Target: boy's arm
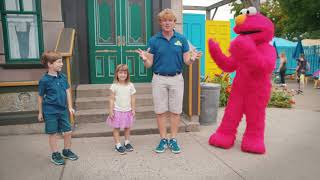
{"points": [[133, 104], [40, 116], [70, 107]]}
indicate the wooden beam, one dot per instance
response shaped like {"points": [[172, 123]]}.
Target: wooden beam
{"points": [[18, 83], [200, 8], [220, 3]]}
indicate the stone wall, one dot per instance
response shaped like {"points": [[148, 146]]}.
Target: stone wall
{"points": [[15, 99]]}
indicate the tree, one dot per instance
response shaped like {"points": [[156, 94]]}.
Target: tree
{"points": [[303, 18]]}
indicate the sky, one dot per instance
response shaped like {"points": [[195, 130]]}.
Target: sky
{"points": [[223, 12]]}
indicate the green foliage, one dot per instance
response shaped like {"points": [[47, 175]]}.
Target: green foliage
{"points": [[223, 80], [281, 98]]}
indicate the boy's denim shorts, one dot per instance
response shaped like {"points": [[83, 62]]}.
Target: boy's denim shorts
{"points": [[57, 123]]}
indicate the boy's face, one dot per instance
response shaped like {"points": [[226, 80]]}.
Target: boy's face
{"points": [[56, 66], [167, 24]]}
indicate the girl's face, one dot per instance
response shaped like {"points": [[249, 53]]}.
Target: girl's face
{"points": [[56, 65], [122, 76]]}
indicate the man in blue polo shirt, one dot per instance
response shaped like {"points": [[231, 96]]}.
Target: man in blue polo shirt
{"points": [[167, 52]]}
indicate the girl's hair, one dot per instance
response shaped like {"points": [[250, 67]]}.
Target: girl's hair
{"points": [[121, 67], [50, 56], [167, 14]]}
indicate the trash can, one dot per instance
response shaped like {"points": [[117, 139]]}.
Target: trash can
{"points": [[209, 103]]}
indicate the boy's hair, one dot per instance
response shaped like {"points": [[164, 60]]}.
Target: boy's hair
{"points": [[167, 14], [50, 57], [121, 67]]}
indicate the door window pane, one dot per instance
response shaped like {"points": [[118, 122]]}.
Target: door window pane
{"points": [[136, 18], [23, 36], [29, 5], [12, 5]]}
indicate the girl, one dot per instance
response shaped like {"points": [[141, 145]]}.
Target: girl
{"points": [[283, 68], [122, 107]]}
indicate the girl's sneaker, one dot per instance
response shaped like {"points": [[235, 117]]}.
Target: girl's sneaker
{"points": [[57, 159], [121, 150], [128, 147], [68, 154]]}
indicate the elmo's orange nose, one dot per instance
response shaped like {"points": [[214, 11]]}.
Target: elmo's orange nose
{"points": [[240, 19]]}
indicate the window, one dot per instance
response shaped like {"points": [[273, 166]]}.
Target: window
{"points": [[22, 30]]}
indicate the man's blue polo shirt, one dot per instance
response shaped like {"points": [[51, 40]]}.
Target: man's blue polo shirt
{"points": [[168, 55], [53, 91]]}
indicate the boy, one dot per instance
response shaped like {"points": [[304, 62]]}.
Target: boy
{"points": [[54, 102]]}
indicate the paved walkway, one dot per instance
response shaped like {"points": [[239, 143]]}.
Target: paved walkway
{"points": [[292, 140]]}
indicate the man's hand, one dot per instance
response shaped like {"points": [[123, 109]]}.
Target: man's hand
{"points": [[145, 55], [195, 55], [40, 117]]}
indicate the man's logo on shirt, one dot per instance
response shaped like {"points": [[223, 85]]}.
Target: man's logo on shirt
{"points": [[178, 43]]}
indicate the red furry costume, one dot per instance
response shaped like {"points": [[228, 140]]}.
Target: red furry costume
{"points": [[253, 58]]}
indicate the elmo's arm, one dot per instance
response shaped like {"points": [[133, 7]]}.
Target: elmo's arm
{"points": [[227, 64]]}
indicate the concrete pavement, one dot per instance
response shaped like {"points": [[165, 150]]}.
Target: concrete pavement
{"points": [[292, 140]]}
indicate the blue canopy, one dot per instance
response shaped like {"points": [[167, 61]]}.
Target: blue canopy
{"points": [[280, 42], [299, 50]]}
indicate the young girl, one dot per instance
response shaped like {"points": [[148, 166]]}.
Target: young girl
{"points": [[122, 107]]}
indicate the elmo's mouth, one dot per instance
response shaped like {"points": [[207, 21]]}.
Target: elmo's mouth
{"points": [[250, 32]]}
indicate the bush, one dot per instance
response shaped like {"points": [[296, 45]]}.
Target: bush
{"points": [[281, 97], [224, 80]]}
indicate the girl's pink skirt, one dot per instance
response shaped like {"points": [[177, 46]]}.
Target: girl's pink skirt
{"points": [[120, 119]]}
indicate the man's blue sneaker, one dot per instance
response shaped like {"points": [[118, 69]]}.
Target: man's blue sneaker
{"points": [[173, 145], [57, 159], [121, 150], [68, 154], [163, 145]]}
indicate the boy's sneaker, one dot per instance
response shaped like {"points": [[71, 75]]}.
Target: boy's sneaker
{"points": [[163, 145], [120, 150], [57, 159], [128, 147], [68, 154], [173, 145]]}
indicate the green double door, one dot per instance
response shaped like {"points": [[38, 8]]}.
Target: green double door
{"points": [[116, 29]]}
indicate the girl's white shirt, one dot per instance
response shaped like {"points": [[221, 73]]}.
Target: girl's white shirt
{"points": [[122, 96]]}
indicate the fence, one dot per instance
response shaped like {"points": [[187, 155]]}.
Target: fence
{"points": [[312, 55]]}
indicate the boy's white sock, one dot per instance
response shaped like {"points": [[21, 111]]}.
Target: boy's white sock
{"points": [[126, 142], [118, 145]]}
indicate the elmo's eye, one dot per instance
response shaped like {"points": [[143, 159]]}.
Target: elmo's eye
{"points": [[243, 11], [251, 11]]}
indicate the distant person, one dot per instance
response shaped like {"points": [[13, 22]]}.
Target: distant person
{"points": [[283, 68], [122, 108], [302, 67], [55, 104]]}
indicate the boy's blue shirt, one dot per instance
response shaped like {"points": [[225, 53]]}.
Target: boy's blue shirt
{"points": [[168, 54], [53, 91]]}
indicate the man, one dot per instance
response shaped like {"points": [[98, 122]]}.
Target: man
{"points": [[166, 53]]}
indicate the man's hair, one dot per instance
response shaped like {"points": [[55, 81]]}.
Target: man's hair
{"points": [[121, 67], [50, 57], [167, 14]]}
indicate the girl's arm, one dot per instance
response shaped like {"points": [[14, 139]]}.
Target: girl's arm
{"points": [[133, 104], [69, 99], [40, 116], [111, 101]]}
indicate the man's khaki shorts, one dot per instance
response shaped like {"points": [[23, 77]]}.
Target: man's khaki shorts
{"points": [[167, 93]]}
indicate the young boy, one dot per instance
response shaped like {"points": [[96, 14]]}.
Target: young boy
{"points": [[55, 104]]}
